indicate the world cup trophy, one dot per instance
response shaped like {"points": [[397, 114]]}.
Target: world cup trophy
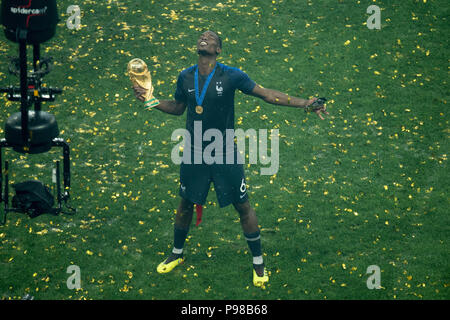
{"points": [[140, 76]]}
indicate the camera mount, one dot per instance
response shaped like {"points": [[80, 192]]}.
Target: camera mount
{"points": [[31, 22]]}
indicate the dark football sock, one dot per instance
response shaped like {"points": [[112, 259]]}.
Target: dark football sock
{"points": [[254, 243], [179, 237]]}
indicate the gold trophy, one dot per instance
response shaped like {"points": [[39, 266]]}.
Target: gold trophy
{"points": [[140, 76]]}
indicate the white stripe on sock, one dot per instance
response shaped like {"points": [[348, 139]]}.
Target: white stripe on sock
{"points": [[258, 260], [177, 251], [253, 239]]}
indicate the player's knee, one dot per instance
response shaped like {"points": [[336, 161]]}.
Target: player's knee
{"points": [[244, 209], [184, 214], [185, 207]]}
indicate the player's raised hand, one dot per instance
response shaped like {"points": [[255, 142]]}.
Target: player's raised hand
{"points": [[317, 105]]}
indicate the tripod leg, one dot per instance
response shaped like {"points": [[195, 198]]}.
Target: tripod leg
{"points": [[58, 142], [1, 190], [1, 175], [66, 166], [6, 196], [58, 186]]}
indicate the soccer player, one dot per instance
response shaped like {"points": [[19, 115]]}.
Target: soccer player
{"points": [[207, 91]]}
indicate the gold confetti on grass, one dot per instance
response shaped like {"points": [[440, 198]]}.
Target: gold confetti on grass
{"points": [[106, 128]]}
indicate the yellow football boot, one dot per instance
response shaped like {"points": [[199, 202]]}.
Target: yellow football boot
{"points": [[260, 281], [164, 267]]}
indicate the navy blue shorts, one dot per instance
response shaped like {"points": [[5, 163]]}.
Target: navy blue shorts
{"points": [[228, 179]]}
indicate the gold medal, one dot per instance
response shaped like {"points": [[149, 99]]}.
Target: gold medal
{"points": [[199, 109]]}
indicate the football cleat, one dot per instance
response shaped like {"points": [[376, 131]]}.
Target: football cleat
{"points": [[167, 267], [260, 281]]}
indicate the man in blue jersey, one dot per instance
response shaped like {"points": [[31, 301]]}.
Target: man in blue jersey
{"points": [[207, 91]]}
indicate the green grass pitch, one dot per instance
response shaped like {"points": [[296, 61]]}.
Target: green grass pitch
{"points": [[367, 186]]}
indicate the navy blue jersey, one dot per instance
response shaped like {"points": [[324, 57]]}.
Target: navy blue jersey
{"points": [[218, 104]]}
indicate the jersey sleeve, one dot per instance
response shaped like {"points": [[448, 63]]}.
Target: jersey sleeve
{"points": [[242, 81], [180, 93]]}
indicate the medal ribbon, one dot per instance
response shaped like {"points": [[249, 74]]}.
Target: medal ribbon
{"points": [[199, 98]]}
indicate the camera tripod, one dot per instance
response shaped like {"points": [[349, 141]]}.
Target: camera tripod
{"points": [[32, 131]]}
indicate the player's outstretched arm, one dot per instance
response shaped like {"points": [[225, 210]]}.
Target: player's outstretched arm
{"points": [[168, 106], [279, 98]]}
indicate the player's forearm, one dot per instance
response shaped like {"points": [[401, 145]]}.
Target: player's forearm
{"points": [[282, 99], [170, 107]]}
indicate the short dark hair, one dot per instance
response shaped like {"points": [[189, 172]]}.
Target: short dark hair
{"points": [[219, 39]]}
